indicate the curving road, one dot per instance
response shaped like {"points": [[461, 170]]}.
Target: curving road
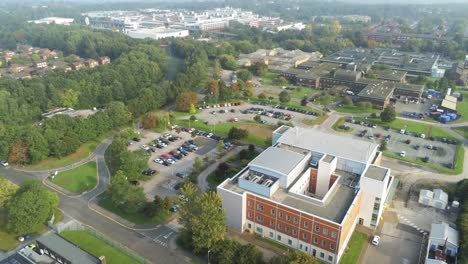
{"points": [[79, 208]]}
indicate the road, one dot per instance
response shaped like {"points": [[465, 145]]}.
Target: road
{"points": [[79, 209]]}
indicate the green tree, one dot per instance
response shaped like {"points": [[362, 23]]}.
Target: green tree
{"points": [[249, 254], [262, 96], [186, 100], [244, 75], [364, 105], [220, 145], [257, 118], [193, 118], [347, 101], [129, 198], [304, 101], [228, 62], [197, 165], [281, 81], [29, 208], [119, 114], [383, 145], [216, 69], [388, 114], [284, 97], [192, 109], [294, 257], [237, 133], [69, 97], [7, 191]]}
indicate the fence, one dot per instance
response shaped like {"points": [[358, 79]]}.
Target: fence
{"points": [[77, 226]]}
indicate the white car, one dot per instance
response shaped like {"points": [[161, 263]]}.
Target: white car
{"points": [[159, 161], [423, 136], [376, 241], [209, 135], [402, 131], [4, 163], [170, 161], [402, 153]]}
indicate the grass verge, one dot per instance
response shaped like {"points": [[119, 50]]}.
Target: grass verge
{"points": [[79, 179], [339, 123], [352, 109], [355, 246], [462, 106], [137, 218], [271, 242], [97, 247], [463, 131]]}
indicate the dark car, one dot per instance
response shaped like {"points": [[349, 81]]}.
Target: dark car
{"points": [[425, 159], [149, 172], [178, 185], [182, 175], [134, 182], [449, 165], [136, 139]]}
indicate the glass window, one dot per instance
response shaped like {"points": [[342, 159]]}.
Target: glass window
{"points": [[324, 243], [259, 218], [272, 211], [249, 203], [322, 255], [278, 237], [317, 228], [271, 234], [279, 226], [325, 231], [330, 258], [289, 242], [315, 240], [332, 246], [296, 220], [294, 232], [249, 225], [260, 207], [259, 229], [304, 236], [306, 224], [286, 229], [280, 215], [249, 214], [333, 234], [272, 223], [288, 217]]}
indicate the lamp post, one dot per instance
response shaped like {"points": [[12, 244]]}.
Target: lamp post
{"points": [[209, 256]]}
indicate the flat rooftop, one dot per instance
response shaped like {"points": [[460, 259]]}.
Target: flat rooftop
{"points": [[278, 159], [376, 173], [335, 145], [335, 208], [67, 250], [328, 158], [379, 91]]}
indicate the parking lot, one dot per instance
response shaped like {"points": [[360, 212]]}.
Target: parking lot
{"points": [[408, 145], [247, 111], [170, 175]]}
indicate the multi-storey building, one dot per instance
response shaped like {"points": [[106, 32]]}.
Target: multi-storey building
{"points": [[309, 191]]}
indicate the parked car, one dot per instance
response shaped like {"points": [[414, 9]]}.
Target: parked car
{"points": [[182, 175], [149, 172], [136, 139], [159, 161], [3, 163], [376, 240], [134, 182], [425, 159], [402, 153]]}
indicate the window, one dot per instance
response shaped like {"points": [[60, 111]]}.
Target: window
{"points": [[289, 242], [315, 240], [307, 249], [296, 220], [324, 243], [325, 231], [306, 224], [286, 229], [333, 234], [304, 236], [279, 226], [249, 226], [272, 211], [259, 230], [317, 228], [249, 203], [260, 207], [278, 237], [259, 218], [300, 246], [332, 246], [288, 217], [249, 214], [272, 223], [330, 258], [294, 232], [280, 215], [322, 255]]}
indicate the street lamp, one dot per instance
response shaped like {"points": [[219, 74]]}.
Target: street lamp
{"points": [[209, 256]]}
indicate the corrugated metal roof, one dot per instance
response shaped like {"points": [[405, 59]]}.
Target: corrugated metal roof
{"points": [[67, 249], [443, 231]]}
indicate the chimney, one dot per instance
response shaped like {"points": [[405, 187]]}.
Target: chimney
{"points": [[102, 259]]}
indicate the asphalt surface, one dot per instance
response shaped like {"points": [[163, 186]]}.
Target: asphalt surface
{"points": [[78, 209]]}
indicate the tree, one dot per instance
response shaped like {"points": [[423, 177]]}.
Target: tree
{"points": [[251, 148], [149, 120], [185, 100], [281, 81], [237, 133], [284, 97], [18, 153], [129, 198], [262, 96], [228, 62], [347, 101], [257, 118], [197, 165], [364, 105], [202, 218], [304, 101], [212, 88], [69, 97], [383, 145], [216, 69], [294, 257], [249, 254], [193, 118], [192, 109], [7, 191], [220, 145], [244, 75], [119, 114], [167, 203], [388, 114], [29, 208]]}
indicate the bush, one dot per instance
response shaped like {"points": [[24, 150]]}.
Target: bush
{"points": [[262, 96], [284, 97], [237, 133], [258, 118], [347, 101], [388, 114]]}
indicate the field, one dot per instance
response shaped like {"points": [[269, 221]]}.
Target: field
{"points": [[414, 127], [258, 133], [79, 179], [137, 218], [462, 131], [462, 107], [97, 247], [356, 243]]}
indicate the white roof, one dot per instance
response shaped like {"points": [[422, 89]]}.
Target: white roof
{"points": [[440, 195], [426, 193], [328, 143], [277, 159], [443, 231]]}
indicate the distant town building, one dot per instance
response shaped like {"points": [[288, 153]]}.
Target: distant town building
{"points": [[158, 33], [443, 244], [278, 59], [40, 64], [104, 60], [76, 65], [91, 63], [53, 20]]}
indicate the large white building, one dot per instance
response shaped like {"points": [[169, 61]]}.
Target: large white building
{"points": [[308, 191], [158, 33], [53, 20]]}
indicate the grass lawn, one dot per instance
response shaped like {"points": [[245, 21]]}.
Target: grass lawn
{"points": [[312, 122], [414, 127], [79, 179], [355, 246], [137, 218], [462, 131], [353, 109], [271, 242], [339, 123], [258, 133], [462, 107], [97, 247], [300, 92]]}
